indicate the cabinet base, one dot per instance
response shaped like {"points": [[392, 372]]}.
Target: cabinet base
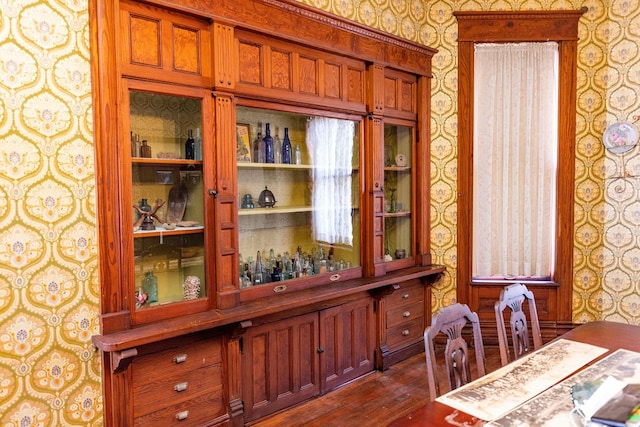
{"points": [[391, 357]]}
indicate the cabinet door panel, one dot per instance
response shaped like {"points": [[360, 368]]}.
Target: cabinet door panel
{"points": [[280, 365], [347, 338]]}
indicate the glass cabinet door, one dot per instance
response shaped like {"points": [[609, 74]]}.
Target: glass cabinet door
{"points": [[167, 199], [398, 148], [299, 189]]}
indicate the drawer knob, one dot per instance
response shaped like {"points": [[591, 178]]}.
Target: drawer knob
{"points": [[181, 386], [181, 416], [406, 314], [405, 332], [405, 296], [181, 358]]}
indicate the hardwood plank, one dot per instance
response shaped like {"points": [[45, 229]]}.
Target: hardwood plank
{"points": [[375, 399]]}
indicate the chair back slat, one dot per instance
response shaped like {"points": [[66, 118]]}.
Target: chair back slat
{"points": [[518, 343], [450, 322]]}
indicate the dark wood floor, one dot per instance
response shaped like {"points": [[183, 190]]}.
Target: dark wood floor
{"points": [[374, 400]]}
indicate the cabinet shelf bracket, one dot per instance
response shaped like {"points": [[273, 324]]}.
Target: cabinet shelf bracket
{"points": [[120, 360]]}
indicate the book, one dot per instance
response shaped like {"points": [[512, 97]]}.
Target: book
{"points": [[616, 411]]}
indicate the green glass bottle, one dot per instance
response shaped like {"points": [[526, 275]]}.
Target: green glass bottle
{"points": [[150, 286]]}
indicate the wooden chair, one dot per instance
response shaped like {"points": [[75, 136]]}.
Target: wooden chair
{"points": [[514, 297], [450, 321]]}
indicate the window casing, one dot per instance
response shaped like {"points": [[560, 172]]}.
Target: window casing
{"points": [[513, 27]]}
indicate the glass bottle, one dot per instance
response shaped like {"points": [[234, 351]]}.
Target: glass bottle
{"points": [[198, 145], [277, 146], [286, 148], [150, 286], [298, 155], [145, 149], [258, 273], [135, 145], [269, 155], [144, 206], [258, 154], [189, 147]]}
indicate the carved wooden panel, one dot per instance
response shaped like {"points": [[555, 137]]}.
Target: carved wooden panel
{"points": [[250, 61], [145, 40], [164, 45], [400, 94], [308, 75], [297, 74], [355, 83], [281, 68], [186, 47], [390, 93], [408, 96], [332, 80]]}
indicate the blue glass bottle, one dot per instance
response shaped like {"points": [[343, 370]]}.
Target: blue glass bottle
{"points": [[269, 152], [286, 148]]}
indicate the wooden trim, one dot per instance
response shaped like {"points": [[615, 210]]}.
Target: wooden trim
{"points": [[529, 26]]}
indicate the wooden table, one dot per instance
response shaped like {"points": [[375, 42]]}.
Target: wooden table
{"points": [[610, 335]]}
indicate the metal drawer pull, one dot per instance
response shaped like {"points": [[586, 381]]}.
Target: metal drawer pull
{"points": [[405, 296], [181, 386], [181, 416], [405, 332], [406, 314], [181, 358]]}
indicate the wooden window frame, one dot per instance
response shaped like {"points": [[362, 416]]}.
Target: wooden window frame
{"points": [[515, 27]]}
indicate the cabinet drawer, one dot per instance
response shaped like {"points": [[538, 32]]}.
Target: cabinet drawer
{"points": [[177, 360], [151, 393], [406, 293], [200, 410], [405, 333], [404, 313]]}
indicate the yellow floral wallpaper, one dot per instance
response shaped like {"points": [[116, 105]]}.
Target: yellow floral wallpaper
{"points": [[49, 289], [49, 296]]}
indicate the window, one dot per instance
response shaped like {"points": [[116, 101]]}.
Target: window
{"points": [[514, 162], [560, 27]]}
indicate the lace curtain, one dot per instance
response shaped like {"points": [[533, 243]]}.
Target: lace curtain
{"points": [[330, 143], [515, 151]]}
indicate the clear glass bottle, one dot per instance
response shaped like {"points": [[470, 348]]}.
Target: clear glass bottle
{"points": [[269, 152], [277, 146], [198, 145], [258, 275], [286, 148], [298, 155], [190, 147], [258, 153], [150, 286]]}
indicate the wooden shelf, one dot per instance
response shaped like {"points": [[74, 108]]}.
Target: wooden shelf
{"points": [[162, 232], [164, 162]]}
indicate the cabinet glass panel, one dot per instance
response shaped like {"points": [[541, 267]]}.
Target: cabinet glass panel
{"points": [[299, 205], [167, 198], [397, 191]]}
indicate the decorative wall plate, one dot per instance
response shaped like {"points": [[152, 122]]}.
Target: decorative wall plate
{"points": [[620, 137]]}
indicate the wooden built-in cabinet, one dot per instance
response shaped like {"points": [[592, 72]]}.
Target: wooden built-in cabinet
{"points": [[235, 284]]}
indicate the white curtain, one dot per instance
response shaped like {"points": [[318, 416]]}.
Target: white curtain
{"points": [[330, 144], [514, 159]]}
